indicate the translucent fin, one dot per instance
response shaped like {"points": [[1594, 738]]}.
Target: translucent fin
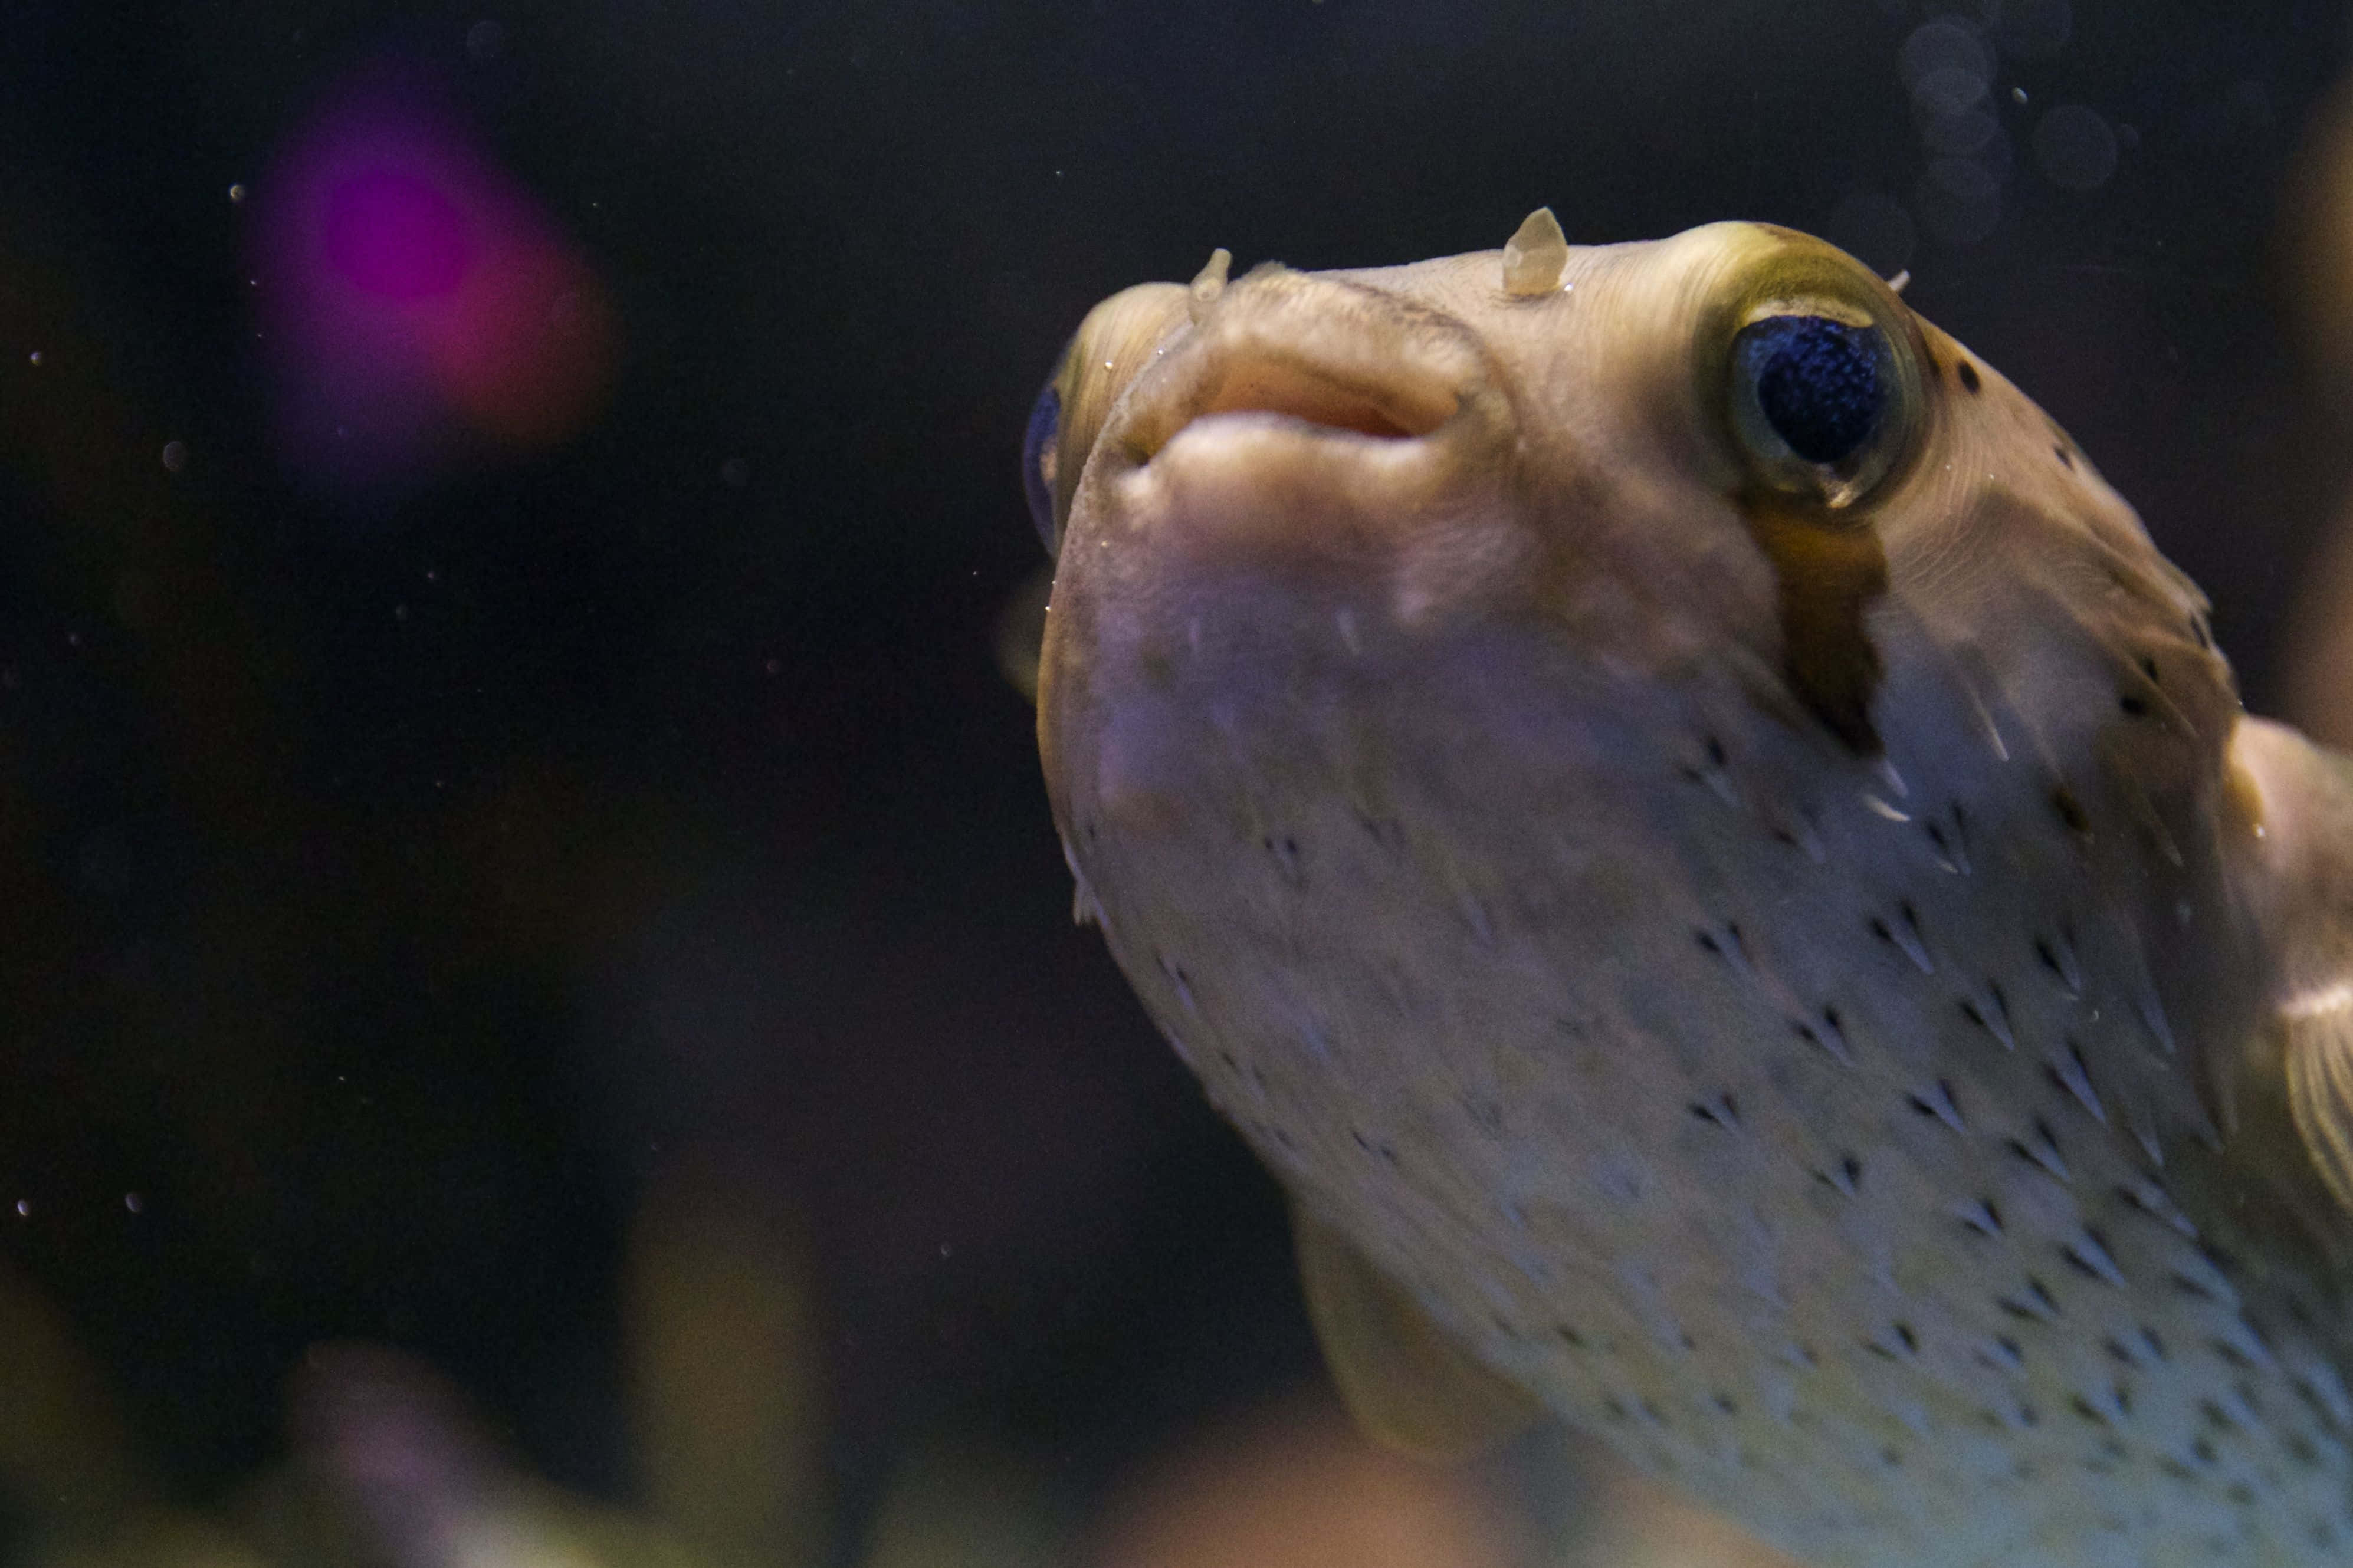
{"points": [[1406, 1381], [2320, 1083], [2289, 809]]}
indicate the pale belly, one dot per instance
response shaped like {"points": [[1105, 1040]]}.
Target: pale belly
{"points": [[1823, 1146]]}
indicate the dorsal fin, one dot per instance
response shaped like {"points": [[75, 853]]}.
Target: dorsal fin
{"points": [[1408, 1383]]}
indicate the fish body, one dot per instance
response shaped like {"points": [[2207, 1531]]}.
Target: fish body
{"points": [[1727, 877]]}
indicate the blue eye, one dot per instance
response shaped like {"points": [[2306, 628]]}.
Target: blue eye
{"points": [[1818, 383], [1040, 451]]}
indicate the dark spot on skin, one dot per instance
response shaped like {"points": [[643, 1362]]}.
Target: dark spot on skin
{"points": [[2148, 668], [2203, 1451], [1828, 575], [1911, 1341], [1969, 375], [2065, 458], [2071, 811], [2216, 1416], [2133, 706], [2085, 1408], [1989, 1213], [1570, 1337], [1892, 1457], [1724, 1113], [2240, 1493], [1725, 1403], [2189, 1286], [2231, 1354], [1714, 752]]}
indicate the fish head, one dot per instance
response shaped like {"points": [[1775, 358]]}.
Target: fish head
{"points": [[1722, 493]]}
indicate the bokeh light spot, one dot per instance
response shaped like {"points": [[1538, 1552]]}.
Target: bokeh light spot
{"points": [[390, 233]]}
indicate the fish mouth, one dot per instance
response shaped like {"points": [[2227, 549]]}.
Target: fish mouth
{"points": [[1311, 398], [1288, 354]]}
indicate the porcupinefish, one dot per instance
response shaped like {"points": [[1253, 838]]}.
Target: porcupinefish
{"points": [[1727, 877]]}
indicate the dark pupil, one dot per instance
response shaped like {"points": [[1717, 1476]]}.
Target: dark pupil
{"points": [[1037, 442], [1817, 382]]}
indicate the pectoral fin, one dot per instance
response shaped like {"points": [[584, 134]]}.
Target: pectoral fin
{"points": [[2320, 1087], [2294, 853], [1406, 1381]]}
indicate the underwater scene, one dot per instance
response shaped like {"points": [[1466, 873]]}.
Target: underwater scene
{"points": [[1611, 840]]}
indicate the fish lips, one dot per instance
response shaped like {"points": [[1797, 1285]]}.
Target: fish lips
{"points": [[1306, 417]]}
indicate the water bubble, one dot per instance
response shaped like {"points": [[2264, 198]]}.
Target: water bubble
{"points": [[175, 456], [134, 1203], [236, 192], [1946, 66], [35, 357], [484, 41], [1960, 200], [24, 1208], [1949, 90], [2074, 148], [1963, 136], [1875, 229]]}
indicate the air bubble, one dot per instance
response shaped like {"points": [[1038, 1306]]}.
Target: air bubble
{"points": [[2074, 148]]}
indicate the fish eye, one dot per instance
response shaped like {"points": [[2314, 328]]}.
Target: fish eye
{"points": [[1812, 367], [1817, 399], [1041, 457], [1816, 381]]}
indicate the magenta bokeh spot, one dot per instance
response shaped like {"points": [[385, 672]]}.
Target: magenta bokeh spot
{"points": [[390, 233]]}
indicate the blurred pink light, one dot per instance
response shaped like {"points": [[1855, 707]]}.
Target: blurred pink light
{"points": [[418, 302]]}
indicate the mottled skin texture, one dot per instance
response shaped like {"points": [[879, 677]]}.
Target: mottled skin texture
{"points": [[1797, 988]]}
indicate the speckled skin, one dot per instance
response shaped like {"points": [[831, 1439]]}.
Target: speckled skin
{"points": [[1886, 1146]]}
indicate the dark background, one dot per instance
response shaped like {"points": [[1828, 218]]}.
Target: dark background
{"points": [[392, 880]]}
